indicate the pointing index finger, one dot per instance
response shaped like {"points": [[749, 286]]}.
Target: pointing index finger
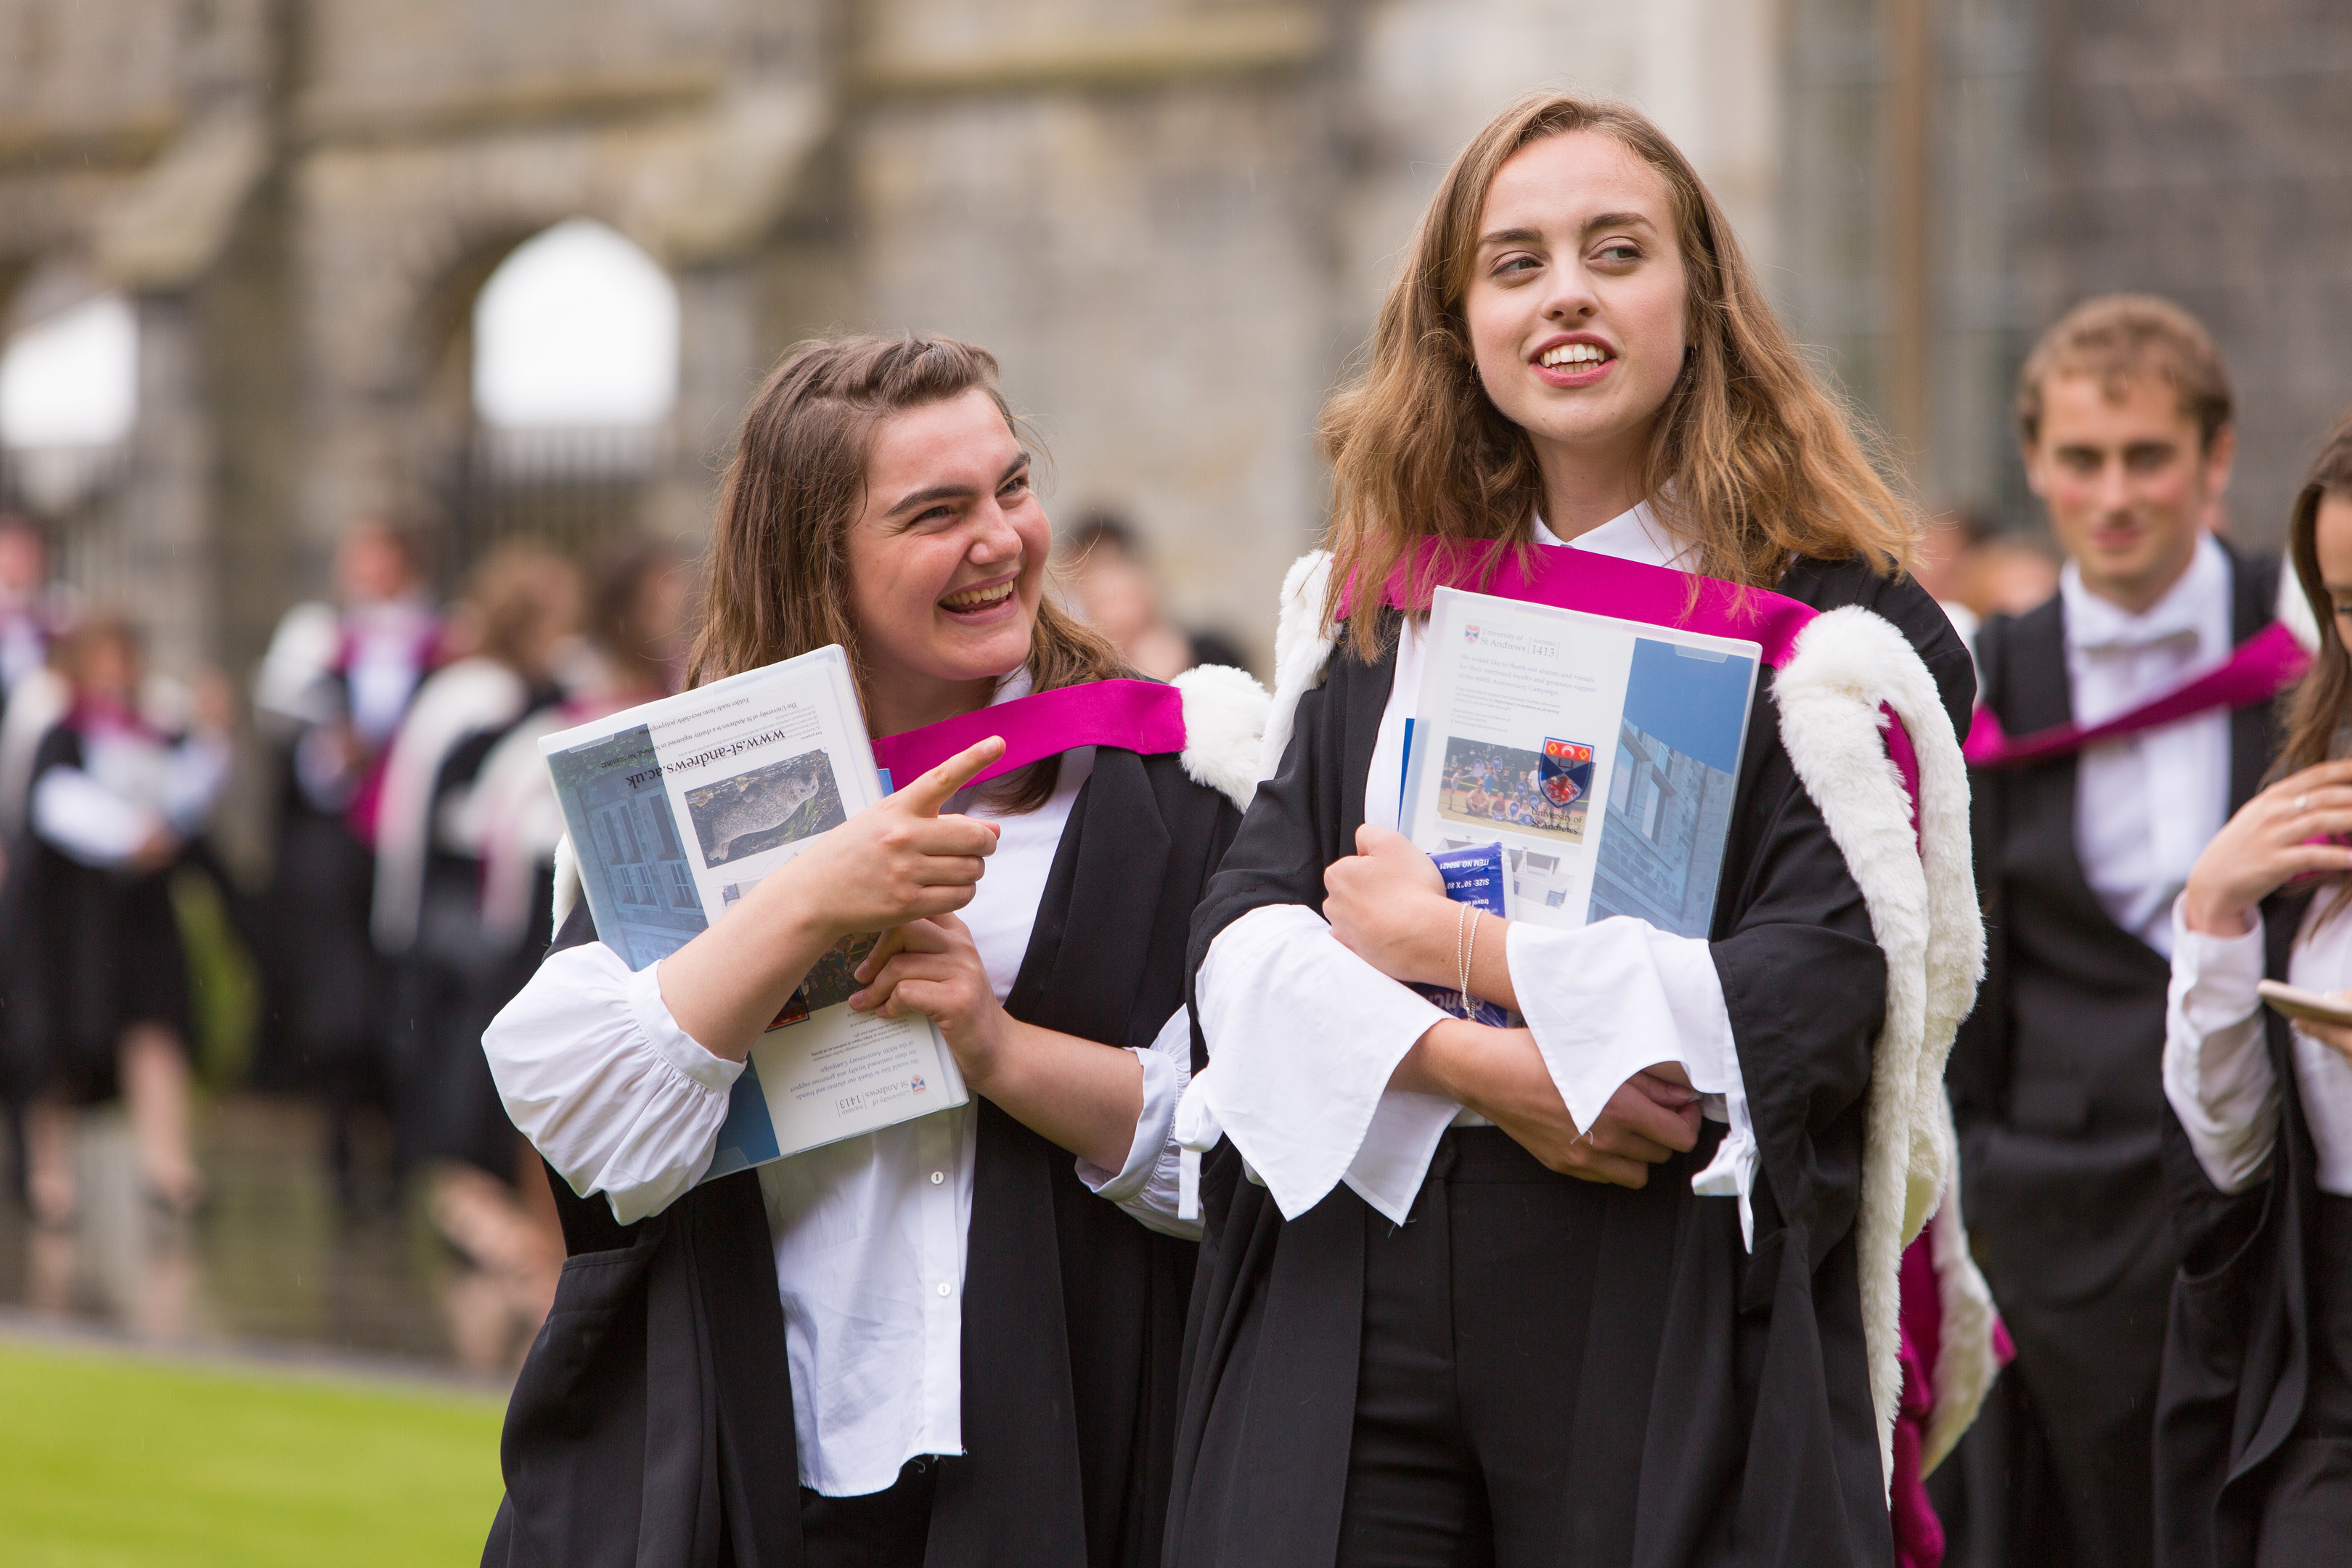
{"points": [[930, 791]]}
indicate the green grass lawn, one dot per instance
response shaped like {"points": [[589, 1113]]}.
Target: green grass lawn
{"points": [[117, 1462]]}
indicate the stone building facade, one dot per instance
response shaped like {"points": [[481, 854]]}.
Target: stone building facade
{"points": [[2069, 148], [1171, 218]]}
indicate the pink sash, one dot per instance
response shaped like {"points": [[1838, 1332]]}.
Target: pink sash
{"points": [[2260, 668], [1597, 585], [1140, 716]]}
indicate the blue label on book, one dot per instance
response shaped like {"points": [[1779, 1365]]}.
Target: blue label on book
{"points": [[1473, 876], [1671, 788], [746, 1138]]}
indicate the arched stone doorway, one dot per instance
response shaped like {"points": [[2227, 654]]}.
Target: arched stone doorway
{"points": [[570, 354]]}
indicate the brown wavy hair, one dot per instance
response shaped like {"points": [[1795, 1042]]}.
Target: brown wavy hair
{"points": [[2320, 706], [776, 577], [1753, 459]]}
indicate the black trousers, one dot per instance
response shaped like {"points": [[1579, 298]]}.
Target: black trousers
{"points": [[2307, 1503], [1474, 1328], [2060, 1467], [887, 1528]]}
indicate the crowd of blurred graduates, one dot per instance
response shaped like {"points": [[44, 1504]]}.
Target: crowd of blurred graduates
{"points": [[406, 896]]}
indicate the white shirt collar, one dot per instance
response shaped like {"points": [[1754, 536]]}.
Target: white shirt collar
{"points": [[2190, 609], [1635, 534]]}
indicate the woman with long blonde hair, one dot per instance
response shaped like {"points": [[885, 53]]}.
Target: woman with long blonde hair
{"points": [[1615, 1284]]}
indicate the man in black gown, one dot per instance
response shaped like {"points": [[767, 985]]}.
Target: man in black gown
{"points": [[2124, 411]]}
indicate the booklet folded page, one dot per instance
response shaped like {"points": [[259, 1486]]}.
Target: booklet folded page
{"points": [[1602, 753], [678, 808]]}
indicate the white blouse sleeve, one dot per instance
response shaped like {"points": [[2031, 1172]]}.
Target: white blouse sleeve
{"points": [[1304, 1036], [600, 1078], [2217, 1071], [83, 820], [1148, 1185], [1609, 999]]}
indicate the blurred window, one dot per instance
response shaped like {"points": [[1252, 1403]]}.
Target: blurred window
{"points": [[73, 379], [577, 328]]}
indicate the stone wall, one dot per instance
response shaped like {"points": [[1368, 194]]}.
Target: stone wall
{"points": [[1171, 218], [2080, 147]]}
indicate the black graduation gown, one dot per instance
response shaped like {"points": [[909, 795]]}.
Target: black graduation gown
{"points": [[2057, 1092], [319, 968], [87, 953], [447, 988], [2247, 1346], [653, 1420], [1723, 1407]]}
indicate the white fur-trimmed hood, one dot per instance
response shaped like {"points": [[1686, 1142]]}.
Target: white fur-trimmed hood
{"points": [[1224, 723], [1920, 889], [1225, 716]]}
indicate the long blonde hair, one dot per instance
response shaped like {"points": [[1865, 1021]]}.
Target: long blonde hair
{"points": [[777, 574], [1752, 459]]}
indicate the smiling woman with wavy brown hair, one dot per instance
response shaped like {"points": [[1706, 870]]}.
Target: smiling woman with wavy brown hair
{"points": [[948, 1341]]}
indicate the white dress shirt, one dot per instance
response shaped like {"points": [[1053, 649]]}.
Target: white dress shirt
{"points": [[2217, 1068], [1305, 1035], [869, 1233], [2146, 805]]}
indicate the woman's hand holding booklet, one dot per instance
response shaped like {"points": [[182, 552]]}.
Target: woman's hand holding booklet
{"points": [[897, 860], [1388, 904]]}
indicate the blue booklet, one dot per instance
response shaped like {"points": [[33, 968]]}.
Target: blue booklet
{"points": [[677, 810], [1475, 874], [1602, 754]]}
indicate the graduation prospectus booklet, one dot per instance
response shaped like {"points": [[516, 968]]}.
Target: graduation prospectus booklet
{"points": [[1602, 753], [678, 808]]}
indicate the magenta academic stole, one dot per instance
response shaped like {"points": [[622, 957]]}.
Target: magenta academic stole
{"points": [[2258, 670], [1140, 716], [1597, 584]]}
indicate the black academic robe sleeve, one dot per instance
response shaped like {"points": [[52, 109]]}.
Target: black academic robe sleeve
{"points": [[2238, 1342], [652, 1419], [1745, 1430]]}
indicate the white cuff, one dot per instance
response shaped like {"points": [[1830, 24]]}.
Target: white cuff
{"points": [[674, 1045], [1394, 1161], [2217, 1067], [595, 1072], [1149, 1187], [1607, 1000], [2216, 978], [1306, 1036]]}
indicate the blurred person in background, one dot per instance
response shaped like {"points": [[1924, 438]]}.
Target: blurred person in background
{"points": [[1971, 570], [1111, 585], [2254, 1435], [518, 616], [33, 612], [330, 694], [2008, 576], [2123, 412], [503, 1217], [96, 977], [1947, 550]]}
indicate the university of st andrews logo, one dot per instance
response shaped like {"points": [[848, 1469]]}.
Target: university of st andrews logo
{"points": [[1566, 771], [1470, 633]]}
